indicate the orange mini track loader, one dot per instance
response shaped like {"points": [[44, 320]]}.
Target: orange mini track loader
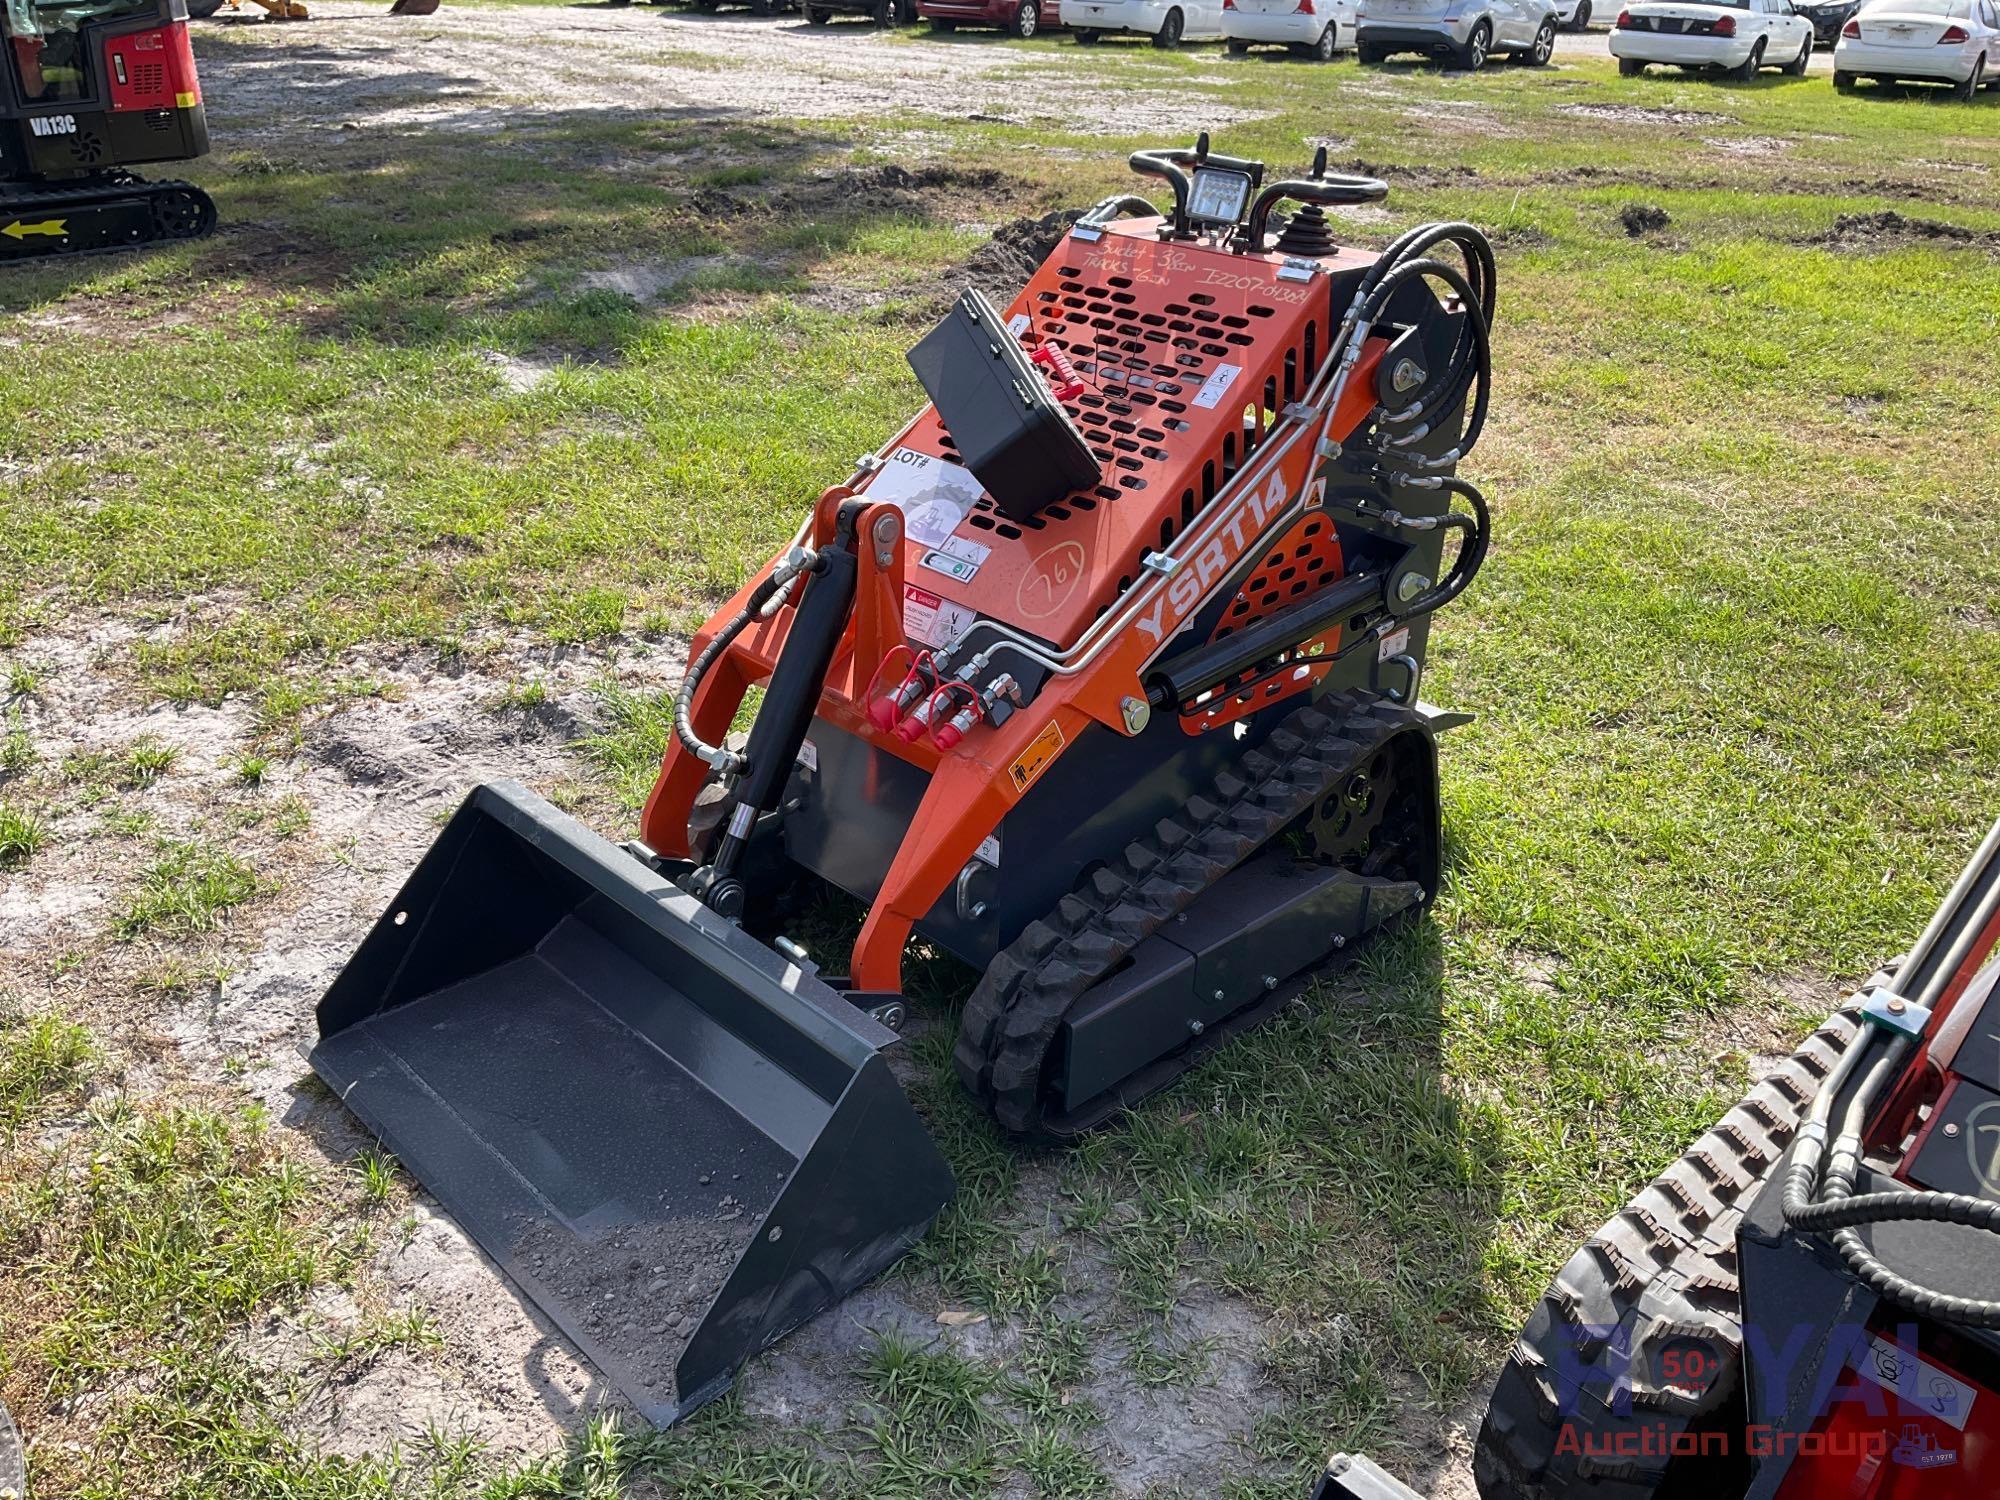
{"points": [[1101, 675]]}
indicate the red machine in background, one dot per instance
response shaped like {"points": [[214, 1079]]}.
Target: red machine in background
{"points": [[88, 89], [1806, 1305]]}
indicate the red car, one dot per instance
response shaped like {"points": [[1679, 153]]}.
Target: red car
{"points": [[1022, 17]]}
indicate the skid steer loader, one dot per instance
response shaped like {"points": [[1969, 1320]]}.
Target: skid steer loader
{"points": [[1101, 675]]}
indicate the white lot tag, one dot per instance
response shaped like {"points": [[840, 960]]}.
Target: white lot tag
{"points": [[989, 851], [809, 756], [1018, 324], [1919, 1383], [1217, 385], [931, 621], [1395, 643], [933, 493]]}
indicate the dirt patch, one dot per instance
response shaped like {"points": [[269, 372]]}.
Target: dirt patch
{"points": [[1642, 218], [1639, 114], [1889, 230], [1423, 176], [1004, 263], [1747, 145]]}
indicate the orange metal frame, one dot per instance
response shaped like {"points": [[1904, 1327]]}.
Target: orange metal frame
{"points": [[1191, 354]]}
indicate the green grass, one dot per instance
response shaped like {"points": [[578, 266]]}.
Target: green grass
{"points": [[1733, 660], [21, 834], [187, 890]]}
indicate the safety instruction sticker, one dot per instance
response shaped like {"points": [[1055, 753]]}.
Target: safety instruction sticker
{"points": [[1921, 1384], [1394, 644], [959, 558], [1217, 385], [931, 621], [988, 851], [1035, 759], [934, 494]]}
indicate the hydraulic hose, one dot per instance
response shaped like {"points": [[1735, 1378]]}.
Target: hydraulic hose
{"points": [[1478, 529], [1478, 373], [795, 562], [1836, 1211]]}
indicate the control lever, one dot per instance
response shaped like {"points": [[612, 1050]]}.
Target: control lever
{"points": [[1316, 188]]}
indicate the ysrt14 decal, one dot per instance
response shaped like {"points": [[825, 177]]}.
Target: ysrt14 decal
{"points": [[1196, 575]]}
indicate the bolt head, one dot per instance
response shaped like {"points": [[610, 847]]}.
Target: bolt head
{"points": [[1136, 712], [1270, 981], [1195, 1028], [1407, 376], [1220, 995], [1339, 941], [1951, 1128], [1897, 1007]]}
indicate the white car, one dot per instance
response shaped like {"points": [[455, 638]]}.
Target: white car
{"points": [[1167, 22], [1310, 28], [1736, 36], [1462, 32], [1574, 15], [1951, 41]]}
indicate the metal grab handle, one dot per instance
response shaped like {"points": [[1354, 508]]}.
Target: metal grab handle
{"points": [[1320, 186]]}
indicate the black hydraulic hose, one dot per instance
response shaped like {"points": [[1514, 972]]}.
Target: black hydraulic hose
{"points": [[1482, 349], [1478, 529], [1481, 269], [1837, 1211], [710, 655]]}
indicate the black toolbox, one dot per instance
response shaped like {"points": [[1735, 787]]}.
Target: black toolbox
{"points": [[1011, 431]]}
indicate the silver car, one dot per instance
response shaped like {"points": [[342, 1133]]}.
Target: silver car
{"points": [[1464, 33]]}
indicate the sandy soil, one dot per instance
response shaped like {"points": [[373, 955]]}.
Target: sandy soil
{"points": [[486, 69]]}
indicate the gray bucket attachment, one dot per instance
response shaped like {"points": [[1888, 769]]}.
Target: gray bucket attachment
{"points": [[679, 1145]]}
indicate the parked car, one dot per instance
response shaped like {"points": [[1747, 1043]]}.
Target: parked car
{"points": [[1827, 17], [1734, 36], [1465, 32], [1022, 17], [881, 12], [1167, 22], [1310, 28], [1944, 41]]}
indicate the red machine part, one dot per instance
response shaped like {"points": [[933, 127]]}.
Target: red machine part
{"points": [[152, 70], [1874, 1445], [1304, 557]]}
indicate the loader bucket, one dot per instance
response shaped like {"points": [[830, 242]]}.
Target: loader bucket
{"points": [[679, 1145]]}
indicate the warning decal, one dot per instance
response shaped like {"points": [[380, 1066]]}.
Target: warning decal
{"points": [[1217, 385], [933, 621], [1035, 759]]}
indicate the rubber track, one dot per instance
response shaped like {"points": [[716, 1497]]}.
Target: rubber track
{"points": [[1010, 1022], [44, 199], [1660, 1275]]}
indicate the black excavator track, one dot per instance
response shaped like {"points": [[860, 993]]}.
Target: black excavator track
{"points": [[116, 211], [1289, 786]]}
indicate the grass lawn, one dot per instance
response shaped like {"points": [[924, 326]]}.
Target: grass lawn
{"points": [[1734, 659]]}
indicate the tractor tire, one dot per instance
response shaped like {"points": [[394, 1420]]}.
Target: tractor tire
{"points": [[1027, 19], [1969, 90], [1168, 37], [1581, 20], [1658, 1280], [1478, 47], [1752, 64]]}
